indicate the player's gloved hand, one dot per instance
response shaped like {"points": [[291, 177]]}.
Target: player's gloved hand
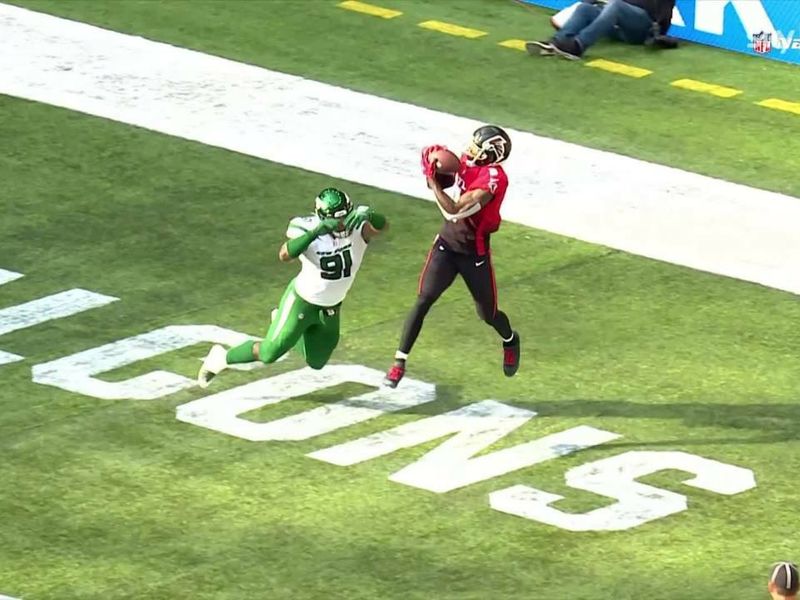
{"points": [[357, 217], [428, 167], [327, 226]]}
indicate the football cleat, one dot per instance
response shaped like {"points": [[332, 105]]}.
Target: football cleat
{"points": [[395, 374], [511, 356], [213, 363]]}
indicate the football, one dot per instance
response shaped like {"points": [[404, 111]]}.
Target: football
{"points": [[446, 161], [447, 164]]}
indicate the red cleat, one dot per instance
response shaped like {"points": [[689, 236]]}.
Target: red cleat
{"points": [[395, 374], [511, 356]]}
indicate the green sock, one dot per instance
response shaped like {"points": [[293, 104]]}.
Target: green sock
{"points": [[243, 353]]}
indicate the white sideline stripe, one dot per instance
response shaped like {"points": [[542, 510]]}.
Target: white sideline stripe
{"points": [[7, 358], [600, 197], [8, 598], [55, 306], [6, 277]]}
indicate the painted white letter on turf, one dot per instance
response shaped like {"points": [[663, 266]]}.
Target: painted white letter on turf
{"points": [[55, 306], [5, 277], [220, 412], [35, 312], [615, 477], [75, 373], [451, 466]]}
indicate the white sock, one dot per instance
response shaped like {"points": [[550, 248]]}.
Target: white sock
{"points": [[218, 362], [400, 355]]}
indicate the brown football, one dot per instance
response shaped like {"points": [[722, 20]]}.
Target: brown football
{"points": [[446, 161], [445, 180], [447, 164]]}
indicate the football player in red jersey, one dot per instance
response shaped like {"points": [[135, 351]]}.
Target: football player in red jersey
{"points": [[462, 245]]}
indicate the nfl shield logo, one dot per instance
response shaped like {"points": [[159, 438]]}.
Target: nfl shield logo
{"points": [[762, 42]]}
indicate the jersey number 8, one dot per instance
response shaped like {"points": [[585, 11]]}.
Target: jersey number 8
{"points": [[336, 266]]}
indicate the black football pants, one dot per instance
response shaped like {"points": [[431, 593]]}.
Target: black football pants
{"points": [[439, 272]]}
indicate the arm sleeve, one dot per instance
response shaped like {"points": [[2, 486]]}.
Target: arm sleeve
{"points": [[301, 236], [298, 245], [490, 180]]}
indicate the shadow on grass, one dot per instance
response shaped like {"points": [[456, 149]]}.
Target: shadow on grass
{"points": [[776, 422]]}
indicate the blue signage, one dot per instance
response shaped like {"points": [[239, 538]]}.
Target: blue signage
{"points": [[768, 28]]}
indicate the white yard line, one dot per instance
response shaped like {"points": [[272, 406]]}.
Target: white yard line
{"points": [[640, 207]]}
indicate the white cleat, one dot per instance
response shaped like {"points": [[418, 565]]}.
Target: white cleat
{"points": [[214, 362]]}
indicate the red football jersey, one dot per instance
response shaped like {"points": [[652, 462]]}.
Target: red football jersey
{"points": [[471, 235]]}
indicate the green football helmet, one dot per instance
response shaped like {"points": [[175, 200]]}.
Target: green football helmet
{"points": [[334, 204]]}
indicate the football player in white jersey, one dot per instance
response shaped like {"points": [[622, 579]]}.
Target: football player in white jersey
{"points": [[330, 245]]}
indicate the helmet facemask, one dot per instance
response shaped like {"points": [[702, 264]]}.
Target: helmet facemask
{"points": [[334, 204], [489, 145]]}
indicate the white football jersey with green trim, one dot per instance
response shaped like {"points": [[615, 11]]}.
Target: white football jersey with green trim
{"points": [[329, 264]]}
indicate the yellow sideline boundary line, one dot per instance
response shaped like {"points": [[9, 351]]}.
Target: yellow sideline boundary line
{"points": [[694, 85], [451, 29], [778, 104], [369, 9], [720, 91], [513, 44], [619, 68]]}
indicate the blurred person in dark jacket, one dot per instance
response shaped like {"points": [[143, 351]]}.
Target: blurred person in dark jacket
{"points": [[630, 21]]}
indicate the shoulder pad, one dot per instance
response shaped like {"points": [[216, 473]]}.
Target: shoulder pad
{"points": [[300, 225]]}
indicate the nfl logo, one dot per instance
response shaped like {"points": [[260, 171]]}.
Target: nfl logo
{"points": [[762, 42]]}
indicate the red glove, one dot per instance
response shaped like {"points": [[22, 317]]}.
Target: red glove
{"points": [[429, 167]]}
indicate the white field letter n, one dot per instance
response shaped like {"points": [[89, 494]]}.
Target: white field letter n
{"points": [[474, 428]]}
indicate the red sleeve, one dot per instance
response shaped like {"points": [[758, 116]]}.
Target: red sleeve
{"points": [[491, 179]]}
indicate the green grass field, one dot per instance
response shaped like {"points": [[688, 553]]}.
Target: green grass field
{"points": [[117, 499]]}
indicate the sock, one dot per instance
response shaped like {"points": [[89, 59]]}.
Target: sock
{"points": [[243, 353], [401, 356], [509, 340]]}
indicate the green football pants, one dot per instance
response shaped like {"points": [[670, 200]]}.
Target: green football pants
{"points": [[312, 330]]}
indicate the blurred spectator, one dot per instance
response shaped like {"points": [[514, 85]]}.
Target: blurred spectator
{"points": [[784, 581], [630, 21]]}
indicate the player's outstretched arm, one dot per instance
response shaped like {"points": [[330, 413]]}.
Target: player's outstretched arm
{"points": [[466, 202], [374, 222], [295, 246], [369, 231], [467, 212], [283, 253]]}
